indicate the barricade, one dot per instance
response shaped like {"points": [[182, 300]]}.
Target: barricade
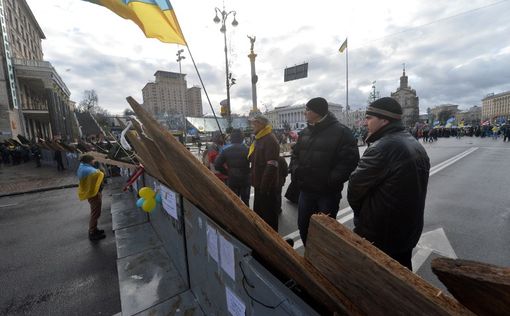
{"points": [[216, 273]]}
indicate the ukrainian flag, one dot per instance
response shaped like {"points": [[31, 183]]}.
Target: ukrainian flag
{"points": [[156, 18], [90, 181]]}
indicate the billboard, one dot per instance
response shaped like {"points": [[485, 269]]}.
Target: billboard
{"points": [[296, 72]]}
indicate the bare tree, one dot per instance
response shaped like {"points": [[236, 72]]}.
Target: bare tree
{"points": [[89, 103]]}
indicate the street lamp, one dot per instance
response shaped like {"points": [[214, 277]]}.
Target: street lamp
{"points": [[229, 81]]}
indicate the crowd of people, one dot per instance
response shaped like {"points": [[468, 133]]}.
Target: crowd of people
{"points": [[431, 134]]}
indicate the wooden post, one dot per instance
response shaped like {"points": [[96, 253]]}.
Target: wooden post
{"points": [[378, 284], [483, 288]]}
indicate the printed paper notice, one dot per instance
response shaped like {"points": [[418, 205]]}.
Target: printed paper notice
{"points": [[227, 257], [234, 304], [169, 201], [212, 242]]}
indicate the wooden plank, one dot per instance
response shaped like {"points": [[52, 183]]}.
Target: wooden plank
{"points": [[204, 189], [483, 288], [378, 284], [102, 158]]}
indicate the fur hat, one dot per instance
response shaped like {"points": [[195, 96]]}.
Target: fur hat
{"points": [[386, 108], [318, 105]]}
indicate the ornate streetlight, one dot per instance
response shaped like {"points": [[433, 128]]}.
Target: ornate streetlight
{"points": [[229, 81]]}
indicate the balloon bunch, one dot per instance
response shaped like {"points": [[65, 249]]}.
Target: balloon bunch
{"points": [[148, 199]]}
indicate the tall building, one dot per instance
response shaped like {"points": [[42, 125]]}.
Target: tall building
{"points": [[496, 105], [168, 94], [294, 116], [408, 100], [34, 101], [194, 99]]}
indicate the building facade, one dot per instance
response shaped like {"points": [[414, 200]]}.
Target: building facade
{"points": [[496, 105], [443, 112], [194, 100], [293, 117], [410, 103], [34, 101], [169, 94], [472, 117]]}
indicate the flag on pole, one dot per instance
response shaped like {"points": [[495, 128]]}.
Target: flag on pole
{"points": [[343, 47], [156, 18]]}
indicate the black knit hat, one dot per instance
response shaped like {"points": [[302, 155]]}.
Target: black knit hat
{"points": [[318, 105], [386, 108], [236, 137]]}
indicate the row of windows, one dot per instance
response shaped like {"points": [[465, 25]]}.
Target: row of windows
{"points": [[23, 35]]}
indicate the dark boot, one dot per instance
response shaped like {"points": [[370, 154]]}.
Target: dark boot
{"points": [[96, 235]]}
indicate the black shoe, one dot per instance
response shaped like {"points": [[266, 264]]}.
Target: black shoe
{"points": [[290, 241], [96, 236], [99, 231]]}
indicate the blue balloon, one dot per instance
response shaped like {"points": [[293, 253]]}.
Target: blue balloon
{"points": [[158, 198], [140, 202]]}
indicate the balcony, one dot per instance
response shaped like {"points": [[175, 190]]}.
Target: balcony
{"points": [[40, 74]]}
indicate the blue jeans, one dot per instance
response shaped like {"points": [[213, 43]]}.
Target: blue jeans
{"points": [[313, 203]]}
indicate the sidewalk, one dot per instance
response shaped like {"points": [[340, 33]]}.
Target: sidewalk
{"points": [[26, 178]]}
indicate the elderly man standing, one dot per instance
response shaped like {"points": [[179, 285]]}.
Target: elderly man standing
{"points": [[263, 155], [388, 188], [323, 158]]}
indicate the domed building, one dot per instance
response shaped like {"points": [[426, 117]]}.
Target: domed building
{"points": [[408, 100]]}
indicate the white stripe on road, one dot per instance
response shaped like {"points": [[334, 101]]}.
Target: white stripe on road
{"points": [[7, 205], [298, 243]]}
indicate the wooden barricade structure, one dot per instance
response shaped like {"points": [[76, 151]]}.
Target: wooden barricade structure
{"points": [[341, 272]]}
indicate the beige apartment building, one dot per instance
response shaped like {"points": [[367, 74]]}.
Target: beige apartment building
{"points": [[34, 101], [496, 105], [169, 94]]}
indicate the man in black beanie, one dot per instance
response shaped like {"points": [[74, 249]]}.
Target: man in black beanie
{"points": [[323, 158], [387, 190]]}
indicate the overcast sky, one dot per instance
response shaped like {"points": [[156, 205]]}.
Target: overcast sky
{"points": [[455, 51]]}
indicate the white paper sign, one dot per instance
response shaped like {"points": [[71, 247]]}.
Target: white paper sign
{"points": [[235, 306], [212, 242], [169, 201], [227, 257]]}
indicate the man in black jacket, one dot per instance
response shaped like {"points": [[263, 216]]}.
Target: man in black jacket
{"points": [[233, 161], [323, 158], [388, 188]]}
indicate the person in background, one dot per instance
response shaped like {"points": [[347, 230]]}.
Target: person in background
{"points": [[233, 162], [90, 187], [263, 155]]}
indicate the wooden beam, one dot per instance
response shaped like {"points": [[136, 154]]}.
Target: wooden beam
{"points": [[483, 288], [378, 284], [102, 158], [198, 184]]}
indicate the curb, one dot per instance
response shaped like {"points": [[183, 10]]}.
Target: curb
{"points": [[40, 190]]}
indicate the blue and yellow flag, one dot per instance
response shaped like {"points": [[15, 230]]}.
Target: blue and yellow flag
{"points": [[90, 181], [156, 18]]}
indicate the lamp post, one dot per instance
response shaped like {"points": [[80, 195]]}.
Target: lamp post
{"points": [[229, 81], [179, 58]]}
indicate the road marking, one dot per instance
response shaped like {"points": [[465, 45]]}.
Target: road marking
{"points": [[451, 161], [432, 241], [7, 205], [422, 253]]}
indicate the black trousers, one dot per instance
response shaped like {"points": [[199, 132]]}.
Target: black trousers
{"points": [[404, 258], [266, 206]]}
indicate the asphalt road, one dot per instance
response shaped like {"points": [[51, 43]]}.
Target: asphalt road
{"points": [[47, 264], [467, 212]]}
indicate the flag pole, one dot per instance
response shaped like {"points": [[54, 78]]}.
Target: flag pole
{"points": [[347, 108], [203, 87]]}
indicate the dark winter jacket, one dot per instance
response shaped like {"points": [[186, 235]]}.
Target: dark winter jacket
{"points": [[388, 188], [233, 161], [324, 156]]}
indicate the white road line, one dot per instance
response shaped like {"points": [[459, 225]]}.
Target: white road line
{"points": [[435, 169], [7, 205]]}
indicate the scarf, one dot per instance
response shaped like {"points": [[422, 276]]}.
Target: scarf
{"points": [[263, 132]]}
